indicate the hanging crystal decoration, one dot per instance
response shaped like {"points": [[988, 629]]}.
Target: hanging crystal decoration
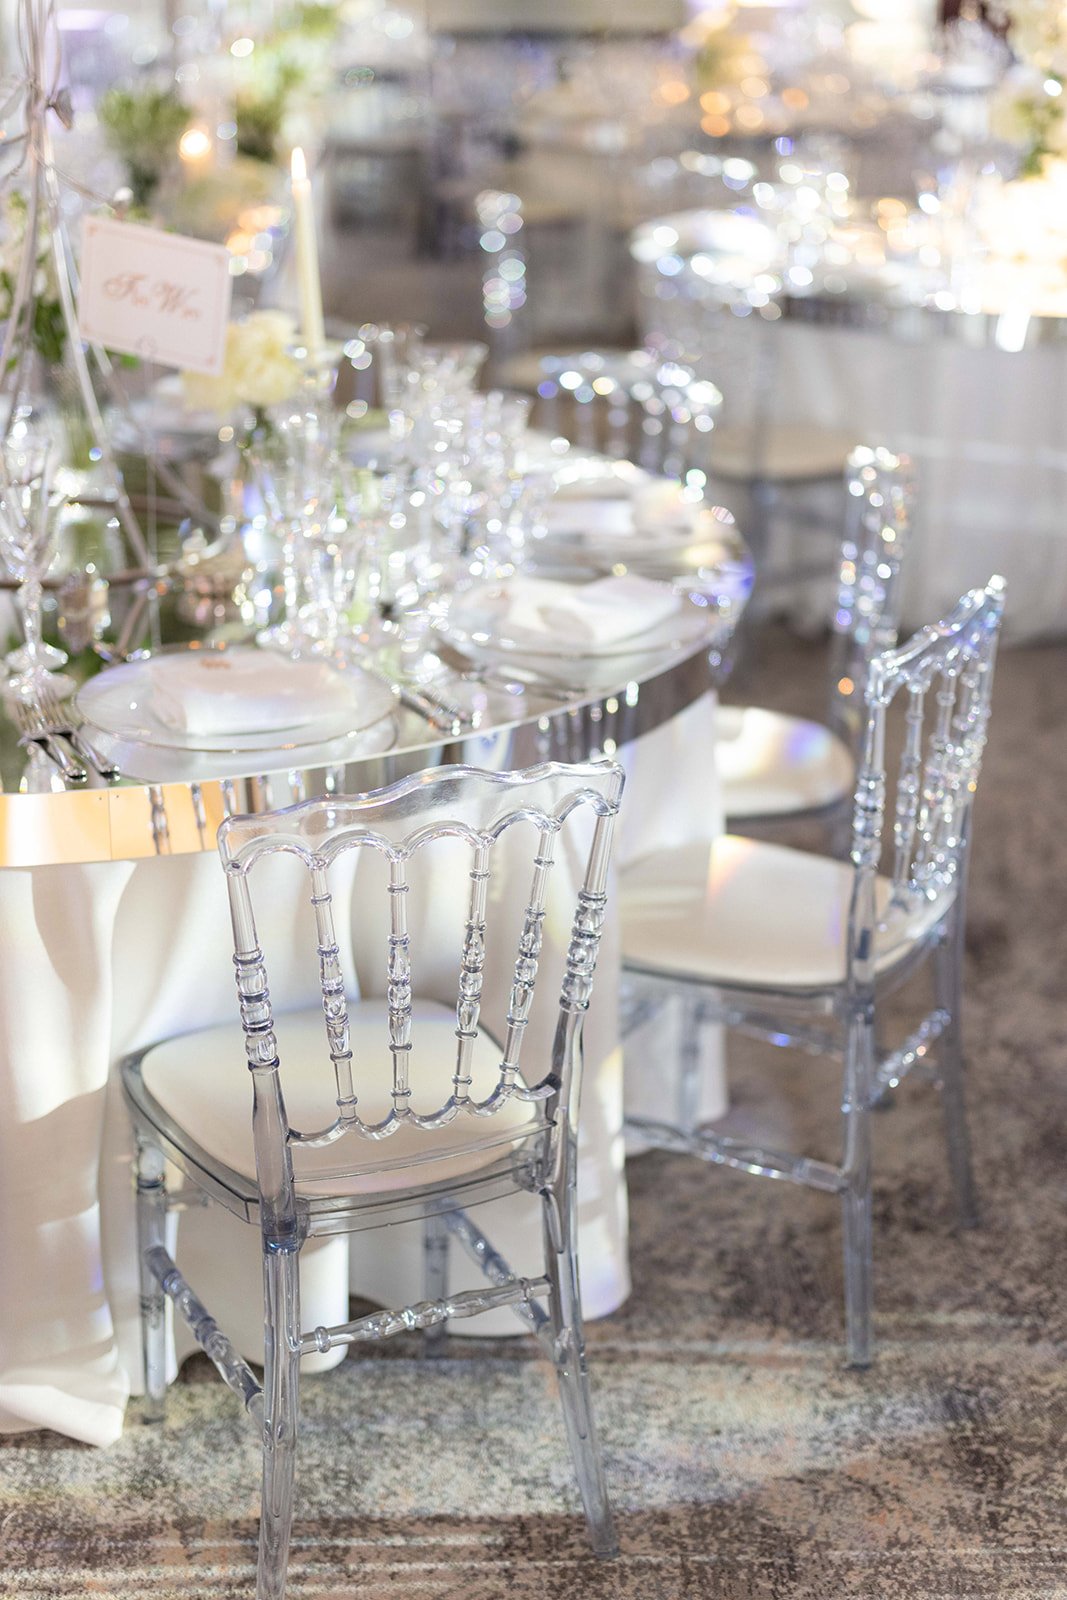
{"points": [[28, 159]]}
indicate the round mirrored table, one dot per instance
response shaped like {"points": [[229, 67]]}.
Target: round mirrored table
{"points": [[866, 328]]}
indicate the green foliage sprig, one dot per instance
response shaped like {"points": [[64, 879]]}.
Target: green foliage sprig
{"points": [[48, 330], [143, 126]]}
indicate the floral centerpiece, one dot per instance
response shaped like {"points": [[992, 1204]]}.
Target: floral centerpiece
{"points": [[210, 162], [289, 61], [258, 83], [1008, 237]]}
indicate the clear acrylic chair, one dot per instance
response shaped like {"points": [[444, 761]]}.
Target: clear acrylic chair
{"points": [[431, 1116], [773, 767], [653, 407], [633, 405], [778, 473], [802, 950]]}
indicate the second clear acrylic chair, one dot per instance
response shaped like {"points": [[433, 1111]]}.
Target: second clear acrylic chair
{"points": [[803, 950], [426, 1113], [773, 767], [633, 405]]}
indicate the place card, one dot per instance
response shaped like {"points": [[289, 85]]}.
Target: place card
{"points": [[157, 295]]}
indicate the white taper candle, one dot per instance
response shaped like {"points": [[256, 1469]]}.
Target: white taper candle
{"points": [[307, 256]]}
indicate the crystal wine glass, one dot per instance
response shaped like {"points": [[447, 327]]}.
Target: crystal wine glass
{"points": [[27, 533], [295, 467]]}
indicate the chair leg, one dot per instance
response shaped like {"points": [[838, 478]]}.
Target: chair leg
{"points": [[151, 1231], [856, 1196], [568, 1344], [281, 1408], [435, 1277], [691, 1060], [948, 961]]}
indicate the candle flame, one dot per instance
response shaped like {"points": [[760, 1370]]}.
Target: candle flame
{"points": [[298, 167], [194, 144]]}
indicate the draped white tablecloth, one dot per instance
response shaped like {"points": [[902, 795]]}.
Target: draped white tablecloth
{"points": [[987, 428], [98, 960], [985, 424]]}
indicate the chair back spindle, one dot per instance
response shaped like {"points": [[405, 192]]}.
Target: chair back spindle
{"points": [[635, 405], [471, 975], [879, 505]]}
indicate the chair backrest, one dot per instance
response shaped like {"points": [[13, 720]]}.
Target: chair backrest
{"points": [[635, 405], [444, 803], [879, 505], [947, 667]]}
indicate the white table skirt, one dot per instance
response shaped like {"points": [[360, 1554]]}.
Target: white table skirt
{"points": [[987, 428], [988, 431], [98, 960]]}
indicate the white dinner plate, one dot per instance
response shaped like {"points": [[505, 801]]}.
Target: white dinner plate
{"points": [[149, 763], [476, 624], [306, 703], [579, 475], [601, 523]]}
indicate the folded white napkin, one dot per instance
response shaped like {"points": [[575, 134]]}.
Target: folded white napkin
{"points": [[658, 510], [606, 612], [593, 515], [577, 475], [242, 691], [664, 506]]}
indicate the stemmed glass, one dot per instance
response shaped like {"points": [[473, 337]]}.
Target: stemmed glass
{"points": [[423, 383], [295, 468], [293, 456], [489, 504], [27, 534]]}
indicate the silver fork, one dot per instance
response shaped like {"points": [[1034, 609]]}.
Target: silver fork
{"points": [[33, 729], [499, 677], [60, 719], [443, 714]]}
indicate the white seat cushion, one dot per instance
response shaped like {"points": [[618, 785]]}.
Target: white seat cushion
{"points": [[794, 452], [759, 915], [770, 765], [202, 1082]]}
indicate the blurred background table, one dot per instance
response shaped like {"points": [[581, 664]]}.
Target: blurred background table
{"points": [[868, 327]]}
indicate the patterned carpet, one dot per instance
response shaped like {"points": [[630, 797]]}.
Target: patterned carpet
{"points": [[744, 1462]]}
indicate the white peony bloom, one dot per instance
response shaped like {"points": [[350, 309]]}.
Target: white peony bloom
{"points": [[257, 369], [264, 372]]}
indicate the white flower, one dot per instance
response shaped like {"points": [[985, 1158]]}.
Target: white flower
{"points": [[264, 372], [257, 369]]}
